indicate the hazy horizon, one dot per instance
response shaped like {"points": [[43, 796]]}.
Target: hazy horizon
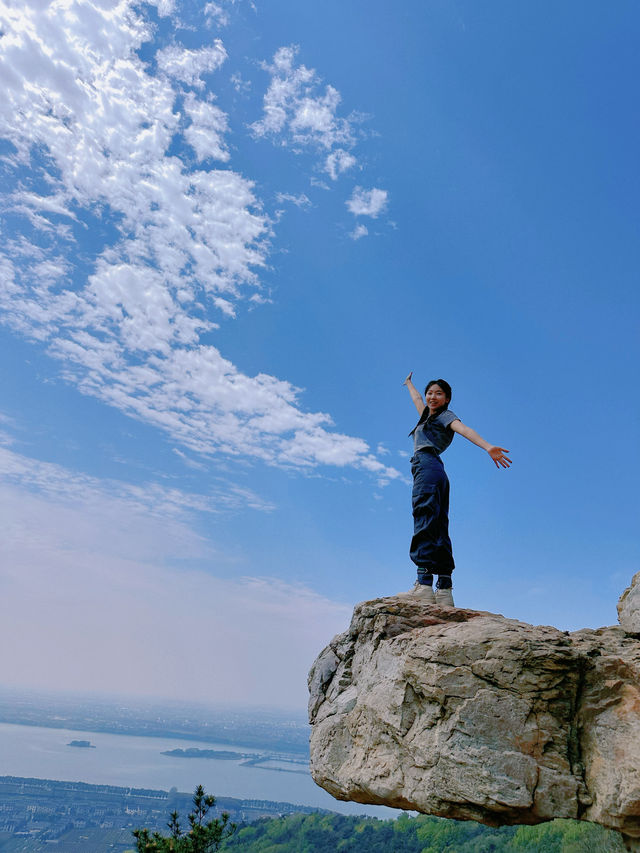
{"points": [[142, 700]]}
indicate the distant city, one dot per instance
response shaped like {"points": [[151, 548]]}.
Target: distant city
{"points": [[40, 814]]}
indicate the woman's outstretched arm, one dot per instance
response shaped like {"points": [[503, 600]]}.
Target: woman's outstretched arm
{"points": [[496, 453], [416, 396]]}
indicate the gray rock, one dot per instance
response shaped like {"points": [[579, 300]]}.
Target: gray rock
{"points": [[469, 715], [629, 606]]}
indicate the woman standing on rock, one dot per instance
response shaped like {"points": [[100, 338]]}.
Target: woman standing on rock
{"points": [[431, 546]]}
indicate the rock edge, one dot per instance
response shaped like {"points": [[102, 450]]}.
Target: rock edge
{"points": [[468, 715]]}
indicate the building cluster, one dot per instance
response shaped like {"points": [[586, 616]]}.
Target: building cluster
{"points": [[75, 815]]}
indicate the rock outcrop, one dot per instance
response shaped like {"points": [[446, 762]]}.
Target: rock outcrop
{"points": [[629, 607], [469, 715]]}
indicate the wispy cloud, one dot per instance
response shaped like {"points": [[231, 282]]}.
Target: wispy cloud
{"points": [[58, 483], [241, 85], [188, 66], [91, 128], [358, 232], [368, 202], [300, 200], [206, 131], [217, 13], [339, 161], [298, 112], [190, 463]]}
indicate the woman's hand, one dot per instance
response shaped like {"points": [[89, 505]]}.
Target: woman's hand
{"points": [[408, 379], [498, 456]]}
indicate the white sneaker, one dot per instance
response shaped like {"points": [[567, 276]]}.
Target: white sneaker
{"points": [[444, 597], [423, 592]]}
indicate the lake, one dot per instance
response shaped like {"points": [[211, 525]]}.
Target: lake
{"points": [[131, 761]]}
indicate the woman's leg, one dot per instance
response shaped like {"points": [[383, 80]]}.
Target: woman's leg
{"points": [[444, 594], [430, 546], [445, 551]]}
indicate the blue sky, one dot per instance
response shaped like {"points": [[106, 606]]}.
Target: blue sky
{"points": [[229, 232]]}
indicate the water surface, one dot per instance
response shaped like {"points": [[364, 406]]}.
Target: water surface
{"points": [[127, 760]]}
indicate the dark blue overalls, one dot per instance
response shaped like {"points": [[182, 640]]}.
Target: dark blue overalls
{"points": [[431, 546]]}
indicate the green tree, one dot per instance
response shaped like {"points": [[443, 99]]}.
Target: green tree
{"points": [[202, 836]]}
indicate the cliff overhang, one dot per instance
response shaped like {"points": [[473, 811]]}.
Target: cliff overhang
{"points": [[469, 715]]}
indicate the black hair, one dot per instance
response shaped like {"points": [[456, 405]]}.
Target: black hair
{"points": [[447, 390], [445, 387]]}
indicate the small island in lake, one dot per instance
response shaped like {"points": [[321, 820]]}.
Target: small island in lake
{"points": [[264, 761], [83, 744], [194, 752]]}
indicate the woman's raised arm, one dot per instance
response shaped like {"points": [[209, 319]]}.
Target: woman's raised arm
{"points": [[416, 396], [496, 453]]}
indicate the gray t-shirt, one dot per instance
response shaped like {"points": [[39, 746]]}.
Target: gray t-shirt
{"points": [[434, 432]]}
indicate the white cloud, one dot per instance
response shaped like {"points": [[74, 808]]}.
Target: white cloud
{"points": [[367, 202], [298, 113], [80, 561], [316, 182], [188, 66], [239, 84], [165, 7], [339, 161], [57, 483], [90, 122], [220, 13], [300, 200], [216, 13], [208, 125], [259, 299], [358, 232], [190, 463]]}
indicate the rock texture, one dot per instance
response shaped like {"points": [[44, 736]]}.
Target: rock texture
{"points": [[629, 607], [469, 715]]}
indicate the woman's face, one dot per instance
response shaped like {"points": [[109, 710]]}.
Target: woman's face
{"points": [[436, 397]]}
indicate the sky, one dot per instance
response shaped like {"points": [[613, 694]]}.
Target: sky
{"points": [[229, 231]]}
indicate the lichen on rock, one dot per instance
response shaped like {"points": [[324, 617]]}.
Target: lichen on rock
{"points": [[469, 715]]}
